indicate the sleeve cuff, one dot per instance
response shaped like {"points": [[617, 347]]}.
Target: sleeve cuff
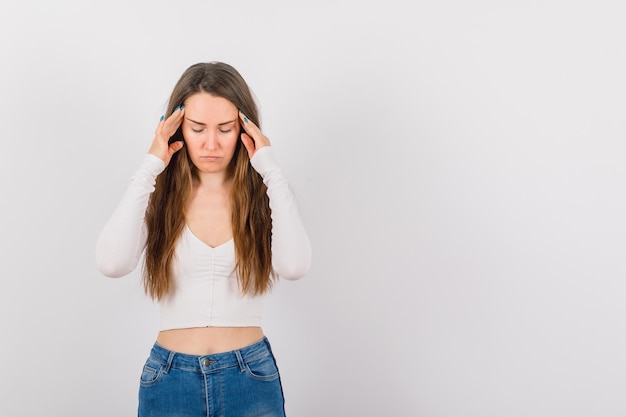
{"points": [[153, 164], [264, 161]]}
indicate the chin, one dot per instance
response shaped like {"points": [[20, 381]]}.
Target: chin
{"points": [[211, 168]]}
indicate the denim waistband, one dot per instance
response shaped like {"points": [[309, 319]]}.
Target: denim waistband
{"points": [[206, 363]]}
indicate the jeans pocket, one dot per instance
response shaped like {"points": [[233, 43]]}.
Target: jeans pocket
{"points": [[262, 369], [151, 373]]}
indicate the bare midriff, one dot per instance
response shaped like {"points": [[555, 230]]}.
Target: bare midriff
{"points": [[208, 340]]}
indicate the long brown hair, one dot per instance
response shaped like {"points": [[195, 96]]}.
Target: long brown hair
{"points": [[251, 222]]}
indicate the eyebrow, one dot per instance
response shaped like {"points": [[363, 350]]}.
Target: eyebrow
{"points": [[204, 124]]}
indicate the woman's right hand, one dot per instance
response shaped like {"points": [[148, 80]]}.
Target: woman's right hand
{"points": [[164, 131]]}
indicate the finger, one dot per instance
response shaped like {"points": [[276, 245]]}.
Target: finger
{"points": [[160, 125], [253, 130], [248, 124], [173, 122]]}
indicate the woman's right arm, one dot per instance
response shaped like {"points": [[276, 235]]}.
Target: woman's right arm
{"points": [[123, 238]]}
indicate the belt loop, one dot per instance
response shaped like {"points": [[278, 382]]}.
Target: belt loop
{"points": [[170, 359], [242, 365]]}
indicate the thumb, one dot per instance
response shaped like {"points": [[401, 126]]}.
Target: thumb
{"points": [[248, 143], [176, 146]]}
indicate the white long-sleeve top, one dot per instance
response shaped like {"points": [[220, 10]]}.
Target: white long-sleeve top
{"points": [[205, 291]]}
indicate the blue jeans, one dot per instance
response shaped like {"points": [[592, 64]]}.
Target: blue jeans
{"points": [[244, 382]]}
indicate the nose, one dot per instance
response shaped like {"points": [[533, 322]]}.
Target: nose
{"points": [[211, 141]]}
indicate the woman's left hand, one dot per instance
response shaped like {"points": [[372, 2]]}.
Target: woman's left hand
{"points": [[252, 137]]}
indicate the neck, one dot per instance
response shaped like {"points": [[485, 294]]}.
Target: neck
{"points": [[213, 181]]}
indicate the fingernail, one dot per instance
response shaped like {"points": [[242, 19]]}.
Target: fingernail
{"points": [[240, 111], [162, 117], [245, 119], [182, 106]]}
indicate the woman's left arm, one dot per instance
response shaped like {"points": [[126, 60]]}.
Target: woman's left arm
{"points": [[291, 248]]}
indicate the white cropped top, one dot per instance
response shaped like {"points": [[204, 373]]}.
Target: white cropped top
{"points": [[205, 291]]}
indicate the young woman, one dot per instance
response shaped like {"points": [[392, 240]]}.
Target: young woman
{"points": [[218, 223]]}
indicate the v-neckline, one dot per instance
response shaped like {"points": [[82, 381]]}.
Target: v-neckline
{"points": [[204, 243]]}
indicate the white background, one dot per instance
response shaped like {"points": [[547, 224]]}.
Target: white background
{"points": [[460, 169]]}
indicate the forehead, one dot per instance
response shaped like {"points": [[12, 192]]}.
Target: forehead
{"points": [[209, 109]]}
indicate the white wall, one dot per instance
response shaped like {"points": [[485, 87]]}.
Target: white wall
{"points": [[460, 168]]}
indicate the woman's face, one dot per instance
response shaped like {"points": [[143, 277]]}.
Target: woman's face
{"points": [[211, 131]]}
